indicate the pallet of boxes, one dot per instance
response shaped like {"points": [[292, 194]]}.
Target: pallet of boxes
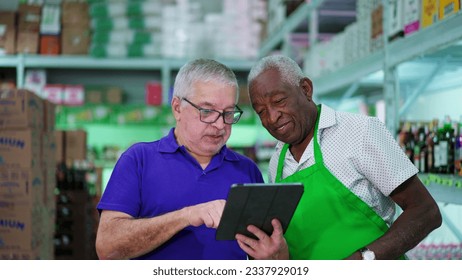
{"points": [[27, 176]]}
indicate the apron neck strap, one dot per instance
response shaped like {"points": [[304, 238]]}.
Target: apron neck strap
{"points": [[317, 150]]}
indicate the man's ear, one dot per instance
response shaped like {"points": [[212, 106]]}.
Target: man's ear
{"points": [[307, 87], [176, 107]]}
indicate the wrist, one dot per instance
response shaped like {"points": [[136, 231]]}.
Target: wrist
{"points": [[367, 254]]}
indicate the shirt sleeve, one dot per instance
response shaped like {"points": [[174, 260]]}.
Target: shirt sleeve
{"points": [[381, 159], [122, 191]]}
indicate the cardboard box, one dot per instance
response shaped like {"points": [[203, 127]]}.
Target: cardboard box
{"points": [[35, 80], [75, 40], [22, 255], [50, 44], [21, 225], [75, 14], [29, 12], [20, 148], [25, 185], [20, 109], [29, 17], [8, 18], [114, 95], [75, 146], [49, 116], [8, 39], [27, 42], [8, 32], [94, 95], [59, 146]]}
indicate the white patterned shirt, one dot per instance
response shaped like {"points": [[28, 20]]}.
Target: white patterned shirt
{"points": [[361, 153]]}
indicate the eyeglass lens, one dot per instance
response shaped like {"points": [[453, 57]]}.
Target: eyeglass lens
{"points": [[211, 116]]}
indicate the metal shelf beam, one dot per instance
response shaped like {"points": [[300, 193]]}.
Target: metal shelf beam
{"points": [[426, 41], [301, 14], [444, 188]]}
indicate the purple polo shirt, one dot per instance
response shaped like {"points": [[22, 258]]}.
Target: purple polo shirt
{"points": [[155, 178]]}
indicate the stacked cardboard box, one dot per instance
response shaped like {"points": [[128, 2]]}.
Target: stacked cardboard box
{"points": [[50, 28], [7, 32], [27, 180], [29, 17], [75, 27]]}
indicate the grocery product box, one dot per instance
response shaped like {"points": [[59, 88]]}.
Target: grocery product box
{"points": [[75, 40], [411, 16], [94, 94], [50, 23], [448, 7], [35, 80], [8, 32], [7, 39], [75, 145], [73, 95], [53, 93], [27, 42], [376, 28], [8, 18], [50, 44], [137, 114], [395, 23], [114, 95], [20, 109], [75, 14], [20, 148], [75, 115], [153, 93], [429, 13], [29, 17]]}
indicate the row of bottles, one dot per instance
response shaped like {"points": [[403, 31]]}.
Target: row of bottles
{"points": [[79, 175], [76, 214], [433, 147]]}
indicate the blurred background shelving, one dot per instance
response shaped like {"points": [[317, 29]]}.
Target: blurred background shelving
{"points": [[397, 60]]}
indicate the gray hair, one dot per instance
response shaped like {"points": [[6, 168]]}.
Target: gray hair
{"points": [[290, 71], [203, 70]]}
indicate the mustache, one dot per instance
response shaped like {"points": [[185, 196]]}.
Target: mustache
{"points": [[217, 133]]}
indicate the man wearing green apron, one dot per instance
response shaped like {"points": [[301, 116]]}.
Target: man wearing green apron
{"points": [[354, 175]]}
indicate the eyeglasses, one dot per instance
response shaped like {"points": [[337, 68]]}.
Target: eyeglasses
{"points": [[211, 116]]}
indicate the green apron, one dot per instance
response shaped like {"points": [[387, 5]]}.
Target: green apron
{"points": [[330, 222]]}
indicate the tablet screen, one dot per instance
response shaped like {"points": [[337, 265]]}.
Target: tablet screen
{"points": [[258, 204]]}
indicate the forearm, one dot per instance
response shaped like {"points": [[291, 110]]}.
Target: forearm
{"points": [[126, 237], [407, 231]]}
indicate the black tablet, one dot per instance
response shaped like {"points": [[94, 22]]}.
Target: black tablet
{"points": [[258, 204]]}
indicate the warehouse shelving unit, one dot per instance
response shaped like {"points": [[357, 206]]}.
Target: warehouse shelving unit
{"points": [[417, 46], [163, 67]]}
